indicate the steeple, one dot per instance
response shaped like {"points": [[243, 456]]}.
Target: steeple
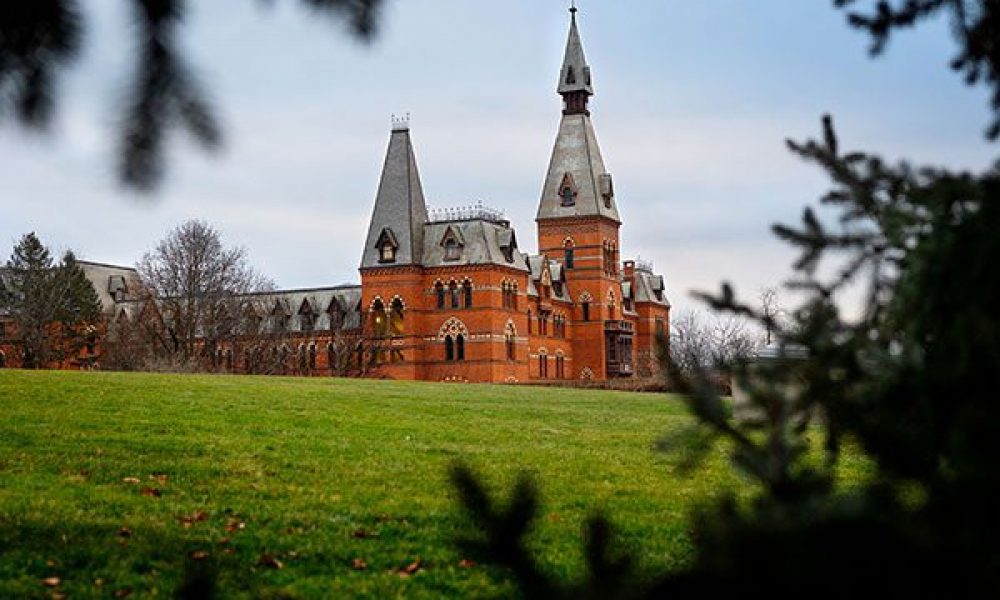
{"points": [[577, 183], [574, 77], [396, 231]]}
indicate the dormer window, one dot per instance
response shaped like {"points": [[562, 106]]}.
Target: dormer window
{"points": [[567, 191], [387, 246], [570, 75], [607, 188], [452, 243]]}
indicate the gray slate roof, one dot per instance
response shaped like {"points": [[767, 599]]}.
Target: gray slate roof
{"points": [[647, 285], [481, 243], [577, 154], [575, 73], [399, 203], [111, 282], [535, 264], [292, 303]]}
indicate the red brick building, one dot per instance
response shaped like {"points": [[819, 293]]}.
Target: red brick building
{"points": [[458, 300], [451, 296]]}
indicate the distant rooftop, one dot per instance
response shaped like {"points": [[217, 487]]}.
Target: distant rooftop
{"points": [[478, 211]]}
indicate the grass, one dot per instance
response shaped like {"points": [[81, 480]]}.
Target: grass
{"points": [[317, 473]]}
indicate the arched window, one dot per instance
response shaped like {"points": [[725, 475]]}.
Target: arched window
{"points": [[560, 365], [513, 296], [612, 305], [460, 347], [510, 338], [568, 254], [453, 292], [331, 356], [543, 365], [529, 321], [585, 308], [379, 320], [302, 357], [312, 356], [467, 292], [449, 348], [439, 291], [396, 326]]}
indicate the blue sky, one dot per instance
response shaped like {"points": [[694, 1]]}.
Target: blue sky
{"points": [[693, 103]]}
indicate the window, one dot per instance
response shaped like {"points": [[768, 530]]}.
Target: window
{"points": [[453, 292], [543, 366], [560, 367], [567, 191], [543, 323], [660, 328], [454, 348], [585, 307], [302, 357], [386, 246], [379, 320], [312, 356], [331, 356], [452, 251], [467, 291], [509, 340], [567, 196], [568, 258], [612, 307], [307, 320], [529, 321], [396, 317], [439, 291]]}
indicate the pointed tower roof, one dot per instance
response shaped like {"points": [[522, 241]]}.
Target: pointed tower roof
{"points": [[575, 73], [400, 211], [577, 183]]}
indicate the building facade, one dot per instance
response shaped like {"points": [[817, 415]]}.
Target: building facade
{"points": [[458, 300], [450, 295]]}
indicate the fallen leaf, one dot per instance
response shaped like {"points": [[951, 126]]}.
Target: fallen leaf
{"points": [[150, 492], [125, 532], [188, 521], [198, 555], [270, 561], [50, 563], [466, 563], [58, 596], [230, 550], [51, 581], [363, 534], [359, 564], [413, 567], [161, 478], [123, 593], [225, 541], [132, 480], [234, 525]]}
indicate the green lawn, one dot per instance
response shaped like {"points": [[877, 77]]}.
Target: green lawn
{"points": [[315, 473]]}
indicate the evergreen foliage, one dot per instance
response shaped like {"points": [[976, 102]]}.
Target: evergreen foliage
{"points": [[41, 37], [55, 308], [911, 381]]}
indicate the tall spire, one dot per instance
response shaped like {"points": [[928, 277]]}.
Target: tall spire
{"points": [[574, 77], [400, 211], [577, 183]]}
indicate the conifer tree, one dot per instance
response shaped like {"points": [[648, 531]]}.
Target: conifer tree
{"points": [[33, 299], [80, 311], [912, 381]]}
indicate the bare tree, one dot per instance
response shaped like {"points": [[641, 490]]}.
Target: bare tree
{"points": [[703, 344], [198, 285], [771, 312]]}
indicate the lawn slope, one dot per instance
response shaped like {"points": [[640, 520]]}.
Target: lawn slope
{"points": [[110, 481]]}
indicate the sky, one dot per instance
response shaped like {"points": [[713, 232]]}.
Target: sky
{"points": [[693, 104]]}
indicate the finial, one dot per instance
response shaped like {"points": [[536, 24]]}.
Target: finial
{"points": [[401, 123], [572, 8]]}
